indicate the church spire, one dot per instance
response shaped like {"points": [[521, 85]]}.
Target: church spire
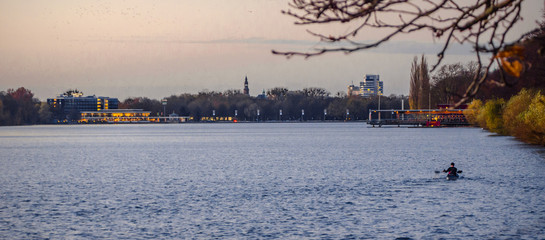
{"points": [[246, 89]]}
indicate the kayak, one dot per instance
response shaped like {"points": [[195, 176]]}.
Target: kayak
{"points": [[452, 176]]}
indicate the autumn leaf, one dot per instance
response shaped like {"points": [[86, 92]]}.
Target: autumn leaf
{"points": [[511, 60]]}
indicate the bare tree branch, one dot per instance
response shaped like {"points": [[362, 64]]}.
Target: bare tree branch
{"points": [[483, 24]]}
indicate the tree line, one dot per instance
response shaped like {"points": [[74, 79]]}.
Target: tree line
{"points": [[20, 107], [278, 104], [522, 116]]}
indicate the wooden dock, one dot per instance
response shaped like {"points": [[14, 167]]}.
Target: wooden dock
{"points": [[418, 118]]}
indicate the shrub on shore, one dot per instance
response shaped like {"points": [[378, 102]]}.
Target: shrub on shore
{"points": [[491, 114], [523, 116], [534, 120], [472, 112], [512, 114]]}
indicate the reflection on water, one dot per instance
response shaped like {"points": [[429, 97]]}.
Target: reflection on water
{"points": [[331, 180]]}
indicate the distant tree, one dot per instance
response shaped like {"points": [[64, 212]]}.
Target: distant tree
{"points": [[336, 110], [277, 93], [340, 94], [484, 24], [71, 92], [251, 111], [357, 108], [420, 84], [3, 116], [424, 92], [232, 92], [316, 92], [414, 87], [144, 103], [25, 106], [451, 81], [45, 113]]}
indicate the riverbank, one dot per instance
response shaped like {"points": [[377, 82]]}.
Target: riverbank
{"points": [[522, 116]]}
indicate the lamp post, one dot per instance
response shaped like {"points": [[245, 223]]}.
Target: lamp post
{"points": [[379, 107], [429, 105], [402, 108], [164, 102], [325, 113]]}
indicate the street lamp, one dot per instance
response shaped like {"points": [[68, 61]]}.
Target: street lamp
{"points": [[379, 107], [164, 102]]}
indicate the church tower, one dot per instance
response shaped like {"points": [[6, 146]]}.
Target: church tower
{"points": [[246, 89]]}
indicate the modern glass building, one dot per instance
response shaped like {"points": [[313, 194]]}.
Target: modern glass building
{"points": [[371, 86], [78, 103]]}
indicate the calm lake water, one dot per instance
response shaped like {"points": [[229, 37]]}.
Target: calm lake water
{"points": [[272, 180]]}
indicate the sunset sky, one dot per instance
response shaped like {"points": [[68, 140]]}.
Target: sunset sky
{"points": [[124, 48]]}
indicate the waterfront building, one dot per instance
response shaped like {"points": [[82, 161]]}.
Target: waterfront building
{"points": [[371, 86], [115, 115], [127, 116], [246, 89], [353, 90], [263, 95], [78, 103]]}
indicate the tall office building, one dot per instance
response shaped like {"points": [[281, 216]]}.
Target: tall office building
{"points": [[371, 86]]}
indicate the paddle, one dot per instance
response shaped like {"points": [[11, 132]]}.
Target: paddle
{"points": [[436, 171]]}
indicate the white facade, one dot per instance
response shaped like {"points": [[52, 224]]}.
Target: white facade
{"points": [[371, 86]]}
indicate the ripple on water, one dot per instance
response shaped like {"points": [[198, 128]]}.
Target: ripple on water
{"points": [[281, 181]]}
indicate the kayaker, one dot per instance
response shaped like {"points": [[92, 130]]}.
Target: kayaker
{"points": [[451, 170]]}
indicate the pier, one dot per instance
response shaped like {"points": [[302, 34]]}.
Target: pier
{"points": [[418, 118]]}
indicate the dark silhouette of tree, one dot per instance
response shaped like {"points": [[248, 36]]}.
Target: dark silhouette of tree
{"points": [[145, 103], [44, 113], [277, 93], [19, 107], [450, 82], [484, 24], [70, 92], [414, 87], [420, 84], [312, 100]]}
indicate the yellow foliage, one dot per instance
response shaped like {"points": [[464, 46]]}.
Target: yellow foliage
{"points": [[534, 119], [512, 114], [523, 116], [472, 111], [491, 116]]}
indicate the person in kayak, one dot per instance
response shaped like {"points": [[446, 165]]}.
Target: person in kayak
{"points": [[451, 170]]}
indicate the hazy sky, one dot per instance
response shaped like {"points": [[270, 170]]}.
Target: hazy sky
{"points": [[124, 48]]}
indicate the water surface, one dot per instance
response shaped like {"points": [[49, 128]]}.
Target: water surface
{"points": [[283, 180]]}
